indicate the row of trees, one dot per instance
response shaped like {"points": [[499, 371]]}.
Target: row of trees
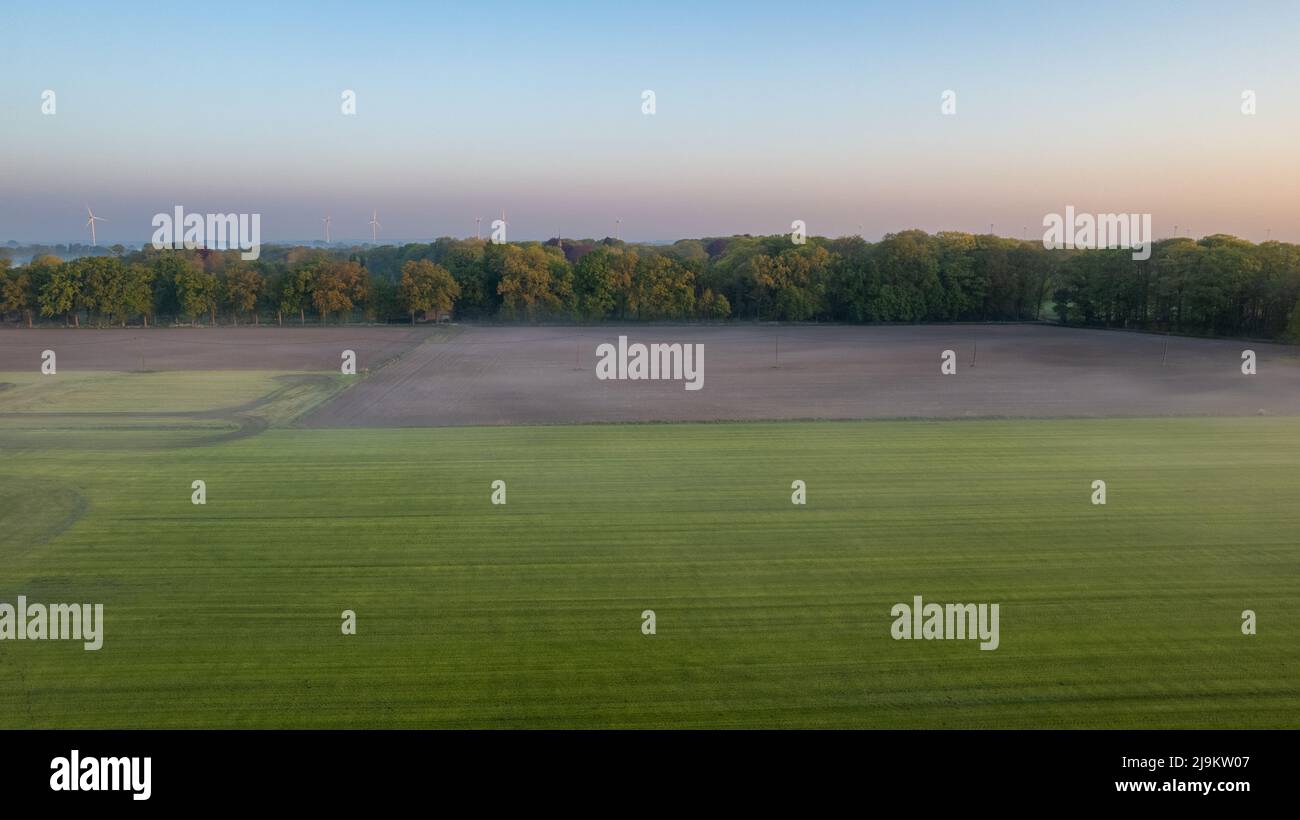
{"points": [[1220, 285], [1217, 285], [113, 291]]}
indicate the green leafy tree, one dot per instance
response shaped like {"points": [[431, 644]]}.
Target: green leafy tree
{"points": [[427, 288], [243, 284], [1293, 327], [198, 292], [295, 291], [529, 288], [595, 284], [712, 305], [466, 259], [792, 285], [17, 293], [137, 294], [661, 288], [62, 293], [962, 289], [104, 283]]}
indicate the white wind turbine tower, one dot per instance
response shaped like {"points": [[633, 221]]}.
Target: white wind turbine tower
{"points": [[326, 220], [91, 222], [478, 228], [618, 228], [374, 227]]}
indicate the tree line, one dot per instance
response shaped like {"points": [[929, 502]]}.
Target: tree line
{"points": [[1218, 285]]}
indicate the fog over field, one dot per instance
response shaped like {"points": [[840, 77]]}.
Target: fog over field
{"points": [[546, 375], [496, 375]]}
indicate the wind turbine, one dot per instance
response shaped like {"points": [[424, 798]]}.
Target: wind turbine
{"points": [[91, 222], [374, 227], [478, 227], [326, 220], [618, 228]]}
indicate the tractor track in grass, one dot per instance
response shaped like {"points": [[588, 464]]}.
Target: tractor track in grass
{"points": [[64, 503], [249, 418], [312, 350], [243, 417]]}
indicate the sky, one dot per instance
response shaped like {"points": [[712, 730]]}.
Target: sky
{"points": [[765, 113]]}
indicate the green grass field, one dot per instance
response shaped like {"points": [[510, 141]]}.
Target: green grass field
{"points": [[769, 615], [115, 392]]}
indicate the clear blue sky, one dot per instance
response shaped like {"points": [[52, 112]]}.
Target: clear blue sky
{"points": [[766, 112]]}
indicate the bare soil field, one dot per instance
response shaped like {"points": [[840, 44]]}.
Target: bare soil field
{"points": [[546, 375], [223, 348]]}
